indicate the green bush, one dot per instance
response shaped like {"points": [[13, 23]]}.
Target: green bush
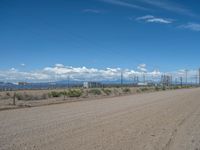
{"points": [[23, 96], [107, 91], [163, 88], [19, 97], [55, 94], [126, 90], [74, 93], [157, 88], [26, 97], [64, 93], [144, 89], [95, 91]]}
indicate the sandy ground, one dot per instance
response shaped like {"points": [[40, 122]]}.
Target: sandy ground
{"points": [[168, 120]]}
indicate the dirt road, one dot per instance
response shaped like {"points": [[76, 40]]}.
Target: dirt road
{"points": [[156, 121]]}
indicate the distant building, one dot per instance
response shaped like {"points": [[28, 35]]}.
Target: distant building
{"points": [[91, 84]]}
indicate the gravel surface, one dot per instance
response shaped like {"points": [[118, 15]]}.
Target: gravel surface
{"points": [[167, 120]]}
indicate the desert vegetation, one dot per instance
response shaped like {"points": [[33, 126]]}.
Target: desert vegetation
{"points": [[30, 97], [80, 92]]}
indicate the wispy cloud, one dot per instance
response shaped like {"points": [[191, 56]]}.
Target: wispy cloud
{"points": [[191, 26], [152, 19], [124, 4], [96, 11], [169, 6], [23, 65], [142, 67], [166, 5]]}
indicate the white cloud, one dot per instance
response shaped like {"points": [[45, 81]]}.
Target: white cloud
{"points": [[13, 70], [152, 19], [169, 6], [191, 26], [164, 5], [142, 67], [59, 65], [62, 72], [124, 4]]}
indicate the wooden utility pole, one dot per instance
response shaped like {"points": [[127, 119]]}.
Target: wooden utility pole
{"points": [[14, 99]]}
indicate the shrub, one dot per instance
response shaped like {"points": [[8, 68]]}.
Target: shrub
{"points": [[126, 90], [74, 93], [138, 90], [45, 96], [20, 96], [157, 88], [116, 91], [25, 96], [177, 87], [107, 91], [95, 91], [8, 94], [144, 89], [55, 94], [163, 88]]}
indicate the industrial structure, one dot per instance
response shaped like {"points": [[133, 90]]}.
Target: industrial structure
{"points": [[92, 84]]}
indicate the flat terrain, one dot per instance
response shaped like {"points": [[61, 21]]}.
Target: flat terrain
{"points": [[153, 121]]}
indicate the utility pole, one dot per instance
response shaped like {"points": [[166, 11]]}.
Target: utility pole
{"points": [[121, 78], [186, 76], [196, 78], [68, 82], [199, 76], [14, 99], [181, 78], [171, 80]]}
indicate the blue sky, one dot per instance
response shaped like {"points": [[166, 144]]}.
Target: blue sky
{"points": [[36, 34]]}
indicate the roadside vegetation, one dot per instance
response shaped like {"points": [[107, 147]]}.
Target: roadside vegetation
{"points": [[67, 94]]}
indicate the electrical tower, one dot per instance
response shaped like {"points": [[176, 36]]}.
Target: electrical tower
{"points": [[199, 76], [186, 76]]}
